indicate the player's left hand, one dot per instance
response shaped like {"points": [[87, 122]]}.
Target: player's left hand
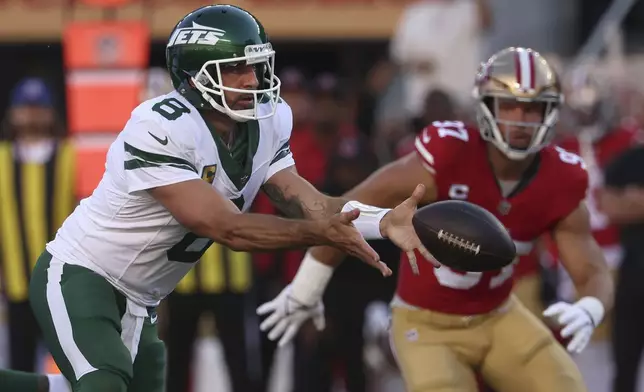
{"points": [[287, 314], [578, 320], [397, 226]]}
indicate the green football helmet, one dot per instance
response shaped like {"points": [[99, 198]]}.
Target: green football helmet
{"points": [[217, 35]]}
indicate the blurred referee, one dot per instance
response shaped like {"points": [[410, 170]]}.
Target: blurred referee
{"points": [[36, 195], [622, 200]]}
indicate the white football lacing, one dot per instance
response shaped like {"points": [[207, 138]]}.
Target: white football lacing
{"points": [[459, 242]]}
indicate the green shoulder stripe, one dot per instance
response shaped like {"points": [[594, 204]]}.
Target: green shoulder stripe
{"points": [[143, 159], [137, 164], [282, 152]]}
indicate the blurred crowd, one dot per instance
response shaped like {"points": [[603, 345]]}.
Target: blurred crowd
{"points": [[339, 137]]}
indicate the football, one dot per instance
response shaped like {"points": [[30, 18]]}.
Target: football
{"points": [[464, 236]]}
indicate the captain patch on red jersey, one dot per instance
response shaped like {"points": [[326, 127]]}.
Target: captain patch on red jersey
{"points": [[553, 186]]}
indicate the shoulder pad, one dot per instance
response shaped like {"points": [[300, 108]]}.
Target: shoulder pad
{"points": [[569, 171], [441, 142]]}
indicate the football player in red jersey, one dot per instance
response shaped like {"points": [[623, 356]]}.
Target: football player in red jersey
{"points": [[447, 324], [598, 137]]}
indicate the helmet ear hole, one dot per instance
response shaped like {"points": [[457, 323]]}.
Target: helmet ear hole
{"points": [[211, 69]]}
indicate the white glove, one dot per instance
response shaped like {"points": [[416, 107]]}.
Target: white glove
{"points": [[376, 323], [288, 314], [298, 302], [578, 320]]}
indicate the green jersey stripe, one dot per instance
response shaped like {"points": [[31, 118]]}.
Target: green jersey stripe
{"points": [[283, 151], [138, 164], [156, 159]]}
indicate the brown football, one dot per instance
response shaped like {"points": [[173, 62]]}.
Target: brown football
{"points": [[464, 236]]}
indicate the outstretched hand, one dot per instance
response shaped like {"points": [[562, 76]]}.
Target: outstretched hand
{"points": [[342, 234], [397, 226]]}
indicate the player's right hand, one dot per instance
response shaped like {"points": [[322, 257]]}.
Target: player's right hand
{"points": [[340, 233], [287, 313]]}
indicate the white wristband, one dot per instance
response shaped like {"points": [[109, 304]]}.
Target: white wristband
{"points": [[593, 307], [368, 223], [311, 280]]}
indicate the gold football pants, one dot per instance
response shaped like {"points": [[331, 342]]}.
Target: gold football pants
{"points": [[509, 347]]}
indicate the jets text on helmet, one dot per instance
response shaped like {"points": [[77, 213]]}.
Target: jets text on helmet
{"points": [[197, 34]]}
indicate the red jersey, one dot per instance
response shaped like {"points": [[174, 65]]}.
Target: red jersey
{"points": [[527, 265], [457, 157], [596, 156]]}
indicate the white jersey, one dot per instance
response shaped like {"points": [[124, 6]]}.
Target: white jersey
{"points": [[124, 234]]}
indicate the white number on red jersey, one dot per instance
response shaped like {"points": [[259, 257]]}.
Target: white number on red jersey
{"points": [[450, 129], [454, 129], [465, 281], [570, 158], [454, 280]]}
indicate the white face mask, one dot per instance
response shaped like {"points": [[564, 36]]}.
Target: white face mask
{"points": [[541, 136], [209, 85]]}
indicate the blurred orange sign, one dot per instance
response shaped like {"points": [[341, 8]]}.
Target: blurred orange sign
{"points": [[43, 20]]}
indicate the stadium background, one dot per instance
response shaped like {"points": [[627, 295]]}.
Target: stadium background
{"points": [[96, 55]]}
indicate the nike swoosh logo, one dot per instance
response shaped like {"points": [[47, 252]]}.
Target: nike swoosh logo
{"points": [[158, 139]]}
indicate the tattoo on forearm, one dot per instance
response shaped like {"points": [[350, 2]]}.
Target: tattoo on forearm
{"points": [[290, 206]]}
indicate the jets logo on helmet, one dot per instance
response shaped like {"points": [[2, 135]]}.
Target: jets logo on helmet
{"points": [[197, 34]]}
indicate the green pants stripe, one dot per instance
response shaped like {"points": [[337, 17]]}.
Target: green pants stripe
{"points": [[100, 340]]}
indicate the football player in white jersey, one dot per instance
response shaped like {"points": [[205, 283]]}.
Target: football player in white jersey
{"points": [[179, 177]]}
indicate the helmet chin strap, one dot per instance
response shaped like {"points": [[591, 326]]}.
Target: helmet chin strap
{"points": [[491, 133], [233, 114], [513, 154], [243, 115], [519, 155]]}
